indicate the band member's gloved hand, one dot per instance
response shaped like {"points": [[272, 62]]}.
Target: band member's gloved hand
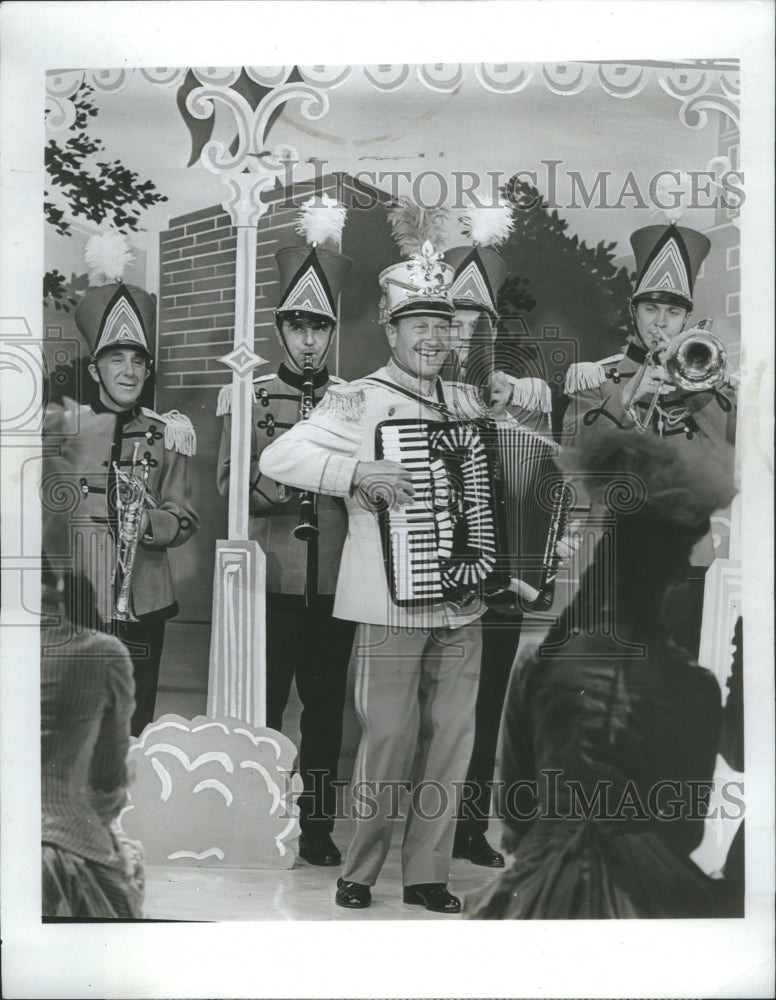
{"points": [[383, 483], [500, 394], [569, 544], [655, 378]]}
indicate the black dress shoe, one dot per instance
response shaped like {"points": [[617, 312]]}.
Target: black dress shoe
{"points": [[352, 895], [434, 896], [319, 849], [477, 850]]}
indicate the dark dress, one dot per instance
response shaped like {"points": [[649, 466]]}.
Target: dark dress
{"points": [[600, 750]]}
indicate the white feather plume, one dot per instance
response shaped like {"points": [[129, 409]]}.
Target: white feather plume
{"points": [[321, 219], [488, 225], [676, 194], [412, 226], [107, 256]]}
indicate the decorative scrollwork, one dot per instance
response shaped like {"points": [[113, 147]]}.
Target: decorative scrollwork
{"points": [[623, 79], [503, 78], [252, 125], [683, 83], [217, 76], [64, 84], [444, 77], [387, 77], [567, 79], [730, 84], [60, 110], [326, 77], [269, 76], [60, 114], [164, 76], [693, 114], [111, 81]]}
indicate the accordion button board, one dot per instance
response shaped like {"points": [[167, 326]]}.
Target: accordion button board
{"points": [[445, 545]]}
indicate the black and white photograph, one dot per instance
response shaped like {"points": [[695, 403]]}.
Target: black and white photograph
{"points": [[387, 487]]}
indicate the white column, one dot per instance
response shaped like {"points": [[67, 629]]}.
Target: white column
{"points": [[237, 677]]}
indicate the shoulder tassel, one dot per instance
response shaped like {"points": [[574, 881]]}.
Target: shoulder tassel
{"points": [[584, 375], [224, 404], [179, 433], [342, 405], [531, 394]]}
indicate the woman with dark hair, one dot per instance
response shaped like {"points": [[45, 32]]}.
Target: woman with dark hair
{"points": [[87, 699], [610, 731]]}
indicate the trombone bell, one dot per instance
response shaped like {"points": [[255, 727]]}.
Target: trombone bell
{"points": [[696, 360]]}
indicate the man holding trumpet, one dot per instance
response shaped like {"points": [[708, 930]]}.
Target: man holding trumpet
{"points": [[124, 471], [667, 382]]}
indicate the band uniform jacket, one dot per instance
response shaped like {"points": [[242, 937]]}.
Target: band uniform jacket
{"points": [[682, 417], [322, 453], [81, 444], [684, 420], [274, 508]]}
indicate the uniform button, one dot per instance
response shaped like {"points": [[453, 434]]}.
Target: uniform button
{"points": [[391, 411]]}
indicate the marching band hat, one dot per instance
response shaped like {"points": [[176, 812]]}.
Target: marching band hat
{"points": [[479, 270], [112, 314], [668, 259], [420, 285], [311, 277]]}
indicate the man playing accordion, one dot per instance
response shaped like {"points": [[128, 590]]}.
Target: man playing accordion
{"points": [[417, 651]]}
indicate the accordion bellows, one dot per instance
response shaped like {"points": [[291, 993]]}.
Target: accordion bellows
{"points": [[487, 511]]}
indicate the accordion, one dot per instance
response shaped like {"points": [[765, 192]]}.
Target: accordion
{"points": [[488, 509]]}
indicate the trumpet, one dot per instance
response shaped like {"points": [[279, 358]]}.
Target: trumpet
{"points": [[694, 360], [307, 528], [130, 508]]}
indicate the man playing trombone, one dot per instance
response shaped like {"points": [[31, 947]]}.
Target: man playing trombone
{"points": [[669, 382], [672, 383]]}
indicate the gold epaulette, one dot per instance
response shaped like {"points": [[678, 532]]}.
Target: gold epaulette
{"points": [[588, 374], [179, 433], [531, 394], [344, 401], [224, 403]]}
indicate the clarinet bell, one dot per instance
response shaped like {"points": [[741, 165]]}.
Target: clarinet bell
{"points": [[305, 531]]}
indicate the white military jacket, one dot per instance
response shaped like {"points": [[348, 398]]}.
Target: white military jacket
{"points": [[321, 454]]}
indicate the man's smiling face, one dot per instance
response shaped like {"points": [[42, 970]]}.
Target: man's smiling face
{"points": [[419, 343], [121, 373]]}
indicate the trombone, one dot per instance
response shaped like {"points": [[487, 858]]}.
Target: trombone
{"points": [[695, 360]]}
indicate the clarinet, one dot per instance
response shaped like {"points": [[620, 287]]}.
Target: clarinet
{"points": [[307, 528]]}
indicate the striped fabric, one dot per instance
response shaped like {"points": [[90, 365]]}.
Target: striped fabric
{"points": [[89, 870], [75, 887]]}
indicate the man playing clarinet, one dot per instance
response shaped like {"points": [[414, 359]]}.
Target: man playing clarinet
{"points": [[301, 534]]}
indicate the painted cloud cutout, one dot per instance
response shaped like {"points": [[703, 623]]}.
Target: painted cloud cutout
{"points": [[213, 792]]}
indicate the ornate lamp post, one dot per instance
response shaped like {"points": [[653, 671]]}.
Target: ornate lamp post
{"points": [[236, 683]]}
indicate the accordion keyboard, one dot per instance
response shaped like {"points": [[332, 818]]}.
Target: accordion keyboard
{"points": [[444, 543]]}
